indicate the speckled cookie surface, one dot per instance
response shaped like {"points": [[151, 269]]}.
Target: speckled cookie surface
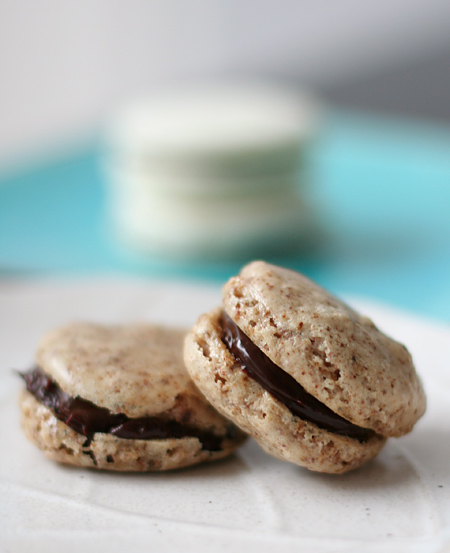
{"points": [[135, 370], [337, 356], [275, 428]]}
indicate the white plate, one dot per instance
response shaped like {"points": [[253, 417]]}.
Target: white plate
{"points": [[399, 502]]}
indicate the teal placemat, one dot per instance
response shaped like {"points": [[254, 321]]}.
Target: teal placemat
{"points": [[381, 189]]}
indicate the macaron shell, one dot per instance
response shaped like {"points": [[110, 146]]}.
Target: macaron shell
{"points": [[238, 397], [60, 443], [338, 356], [137, 370]]}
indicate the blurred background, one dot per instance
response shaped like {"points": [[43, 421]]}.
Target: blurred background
{"points": [[373, 171]]}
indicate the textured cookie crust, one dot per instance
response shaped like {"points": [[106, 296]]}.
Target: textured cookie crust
{"points": [[137, 370], [62, 444], [243, 400], [337, 355]]}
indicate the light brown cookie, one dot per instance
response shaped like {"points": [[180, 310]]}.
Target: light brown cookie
{"points": [[313, 381], [119, 398]]}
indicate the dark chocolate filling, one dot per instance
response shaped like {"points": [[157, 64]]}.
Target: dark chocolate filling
{"points": [[86, 418], [283, 386]]}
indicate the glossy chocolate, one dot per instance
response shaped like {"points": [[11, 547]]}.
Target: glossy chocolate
{"points": [[283, 386], [86, 418]]}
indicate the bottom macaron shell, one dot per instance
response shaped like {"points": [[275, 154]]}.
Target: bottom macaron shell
{"points": [[241, 399], [60, 443]]}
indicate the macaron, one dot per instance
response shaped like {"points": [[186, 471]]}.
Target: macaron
{"points": [[314, 382], [119, 398], [181, 164]]}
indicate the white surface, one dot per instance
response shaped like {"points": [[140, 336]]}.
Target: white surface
{"points": [[399, 502]]}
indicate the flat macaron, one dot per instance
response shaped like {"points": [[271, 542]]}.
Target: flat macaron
{"points": [[119, 398], [314, 382]]}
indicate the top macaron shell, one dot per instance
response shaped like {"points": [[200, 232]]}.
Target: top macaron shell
{"points": [[137, 370], [337, 355]]}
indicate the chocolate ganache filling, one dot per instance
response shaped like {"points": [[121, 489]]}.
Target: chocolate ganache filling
{"points": [[87, 418], [283, 386]]}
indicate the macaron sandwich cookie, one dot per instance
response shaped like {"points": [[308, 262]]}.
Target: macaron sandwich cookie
{"points": [[314, 382], [181, 164], [119, 398]]}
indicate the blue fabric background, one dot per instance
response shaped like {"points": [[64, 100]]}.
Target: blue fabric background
{"points": [[381, 190]]}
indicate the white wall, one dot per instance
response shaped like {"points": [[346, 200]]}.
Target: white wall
{"points": [[63, 64]]}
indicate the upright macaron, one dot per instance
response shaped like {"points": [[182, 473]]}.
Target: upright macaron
{"points": [[119, 398], [314, 382]]}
